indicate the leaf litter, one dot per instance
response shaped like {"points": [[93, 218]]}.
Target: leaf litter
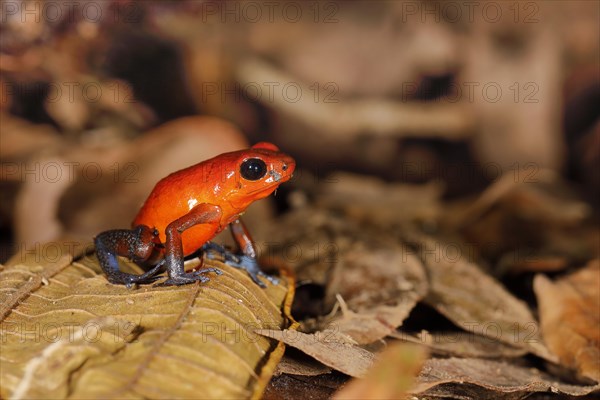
{"points": [[380, 270], [372, 271]]}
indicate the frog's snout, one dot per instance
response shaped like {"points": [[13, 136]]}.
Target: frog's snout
{"points": [[284, 170]]}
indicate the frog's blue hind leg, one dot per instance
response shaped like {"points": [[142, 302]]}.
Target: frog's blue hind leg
{"points": [[138, 244]]}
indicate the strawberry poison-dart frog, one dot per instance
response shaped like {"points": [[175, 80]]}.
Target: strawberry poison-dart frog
{"points": [[188, 208]]}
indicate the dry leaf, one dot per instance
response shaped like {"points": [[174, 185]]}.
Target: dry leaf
{"points": [[70, 112], [350, 118], [310, 240], [461, 344], [534, 225], [570, 318], [468, 378], [344, 357], [381, 284], [390, 378], [367, 198], [30, 214], [380, 280], [475, 301], [67, 332], [307, 387], [21, 138], [304, 367]]}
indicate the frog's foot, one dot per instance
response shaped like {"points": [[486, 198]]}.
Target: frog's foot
{"points": [[250, 265], [122, 278], [190, 277], [247, 263]]}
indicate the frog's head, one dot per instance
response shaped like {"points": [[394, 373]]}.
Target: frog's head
{"points": [[259, 171]]}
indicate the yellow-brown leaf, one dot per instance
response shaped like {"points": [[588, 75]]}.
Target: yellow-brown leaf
{"points": [[68, 333], [570, 318]]}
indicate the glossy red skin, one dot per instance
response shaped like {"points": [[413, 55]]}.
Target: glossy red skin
{"points": [[216, 181]]}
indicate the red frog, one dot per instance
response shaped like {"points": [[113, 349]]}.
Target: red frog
{"points": [[188, 208]]}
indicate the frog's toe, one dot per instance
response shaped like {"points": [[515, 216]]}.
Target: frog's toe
{"points": [[270, 278], [190, 277], [130, 280], [207, 270], [250, 265]]}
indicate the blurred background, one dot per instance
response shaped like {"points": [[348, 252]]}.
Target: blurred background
{"points": [[101, 99]]}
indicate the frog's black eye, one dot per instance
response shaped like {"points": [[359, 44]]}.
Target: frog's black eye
{"points": [[253, 169]]}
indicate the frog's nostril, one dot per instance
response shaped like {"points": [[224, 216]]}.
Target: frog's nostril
{"points": [[276, 175]]}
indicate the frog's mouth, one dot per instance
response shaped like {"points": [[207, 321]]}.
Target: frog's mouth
{"points": [[274, 180], [242, 204]]}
